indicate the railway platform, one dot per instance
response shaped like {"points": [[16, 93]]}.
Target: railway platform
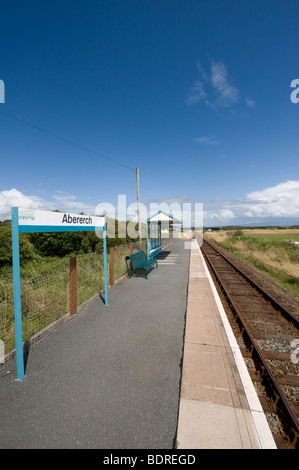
{"points": [[111, 377], [219, 407]]}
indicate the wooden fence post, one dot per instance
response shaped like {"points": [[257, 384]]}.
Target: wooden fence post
{"points": [[73, 286], [131, 248]]}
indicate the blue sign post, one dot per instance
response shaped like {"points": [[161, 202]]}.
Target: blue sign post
{"points": [[26, 221], [17, 291]]}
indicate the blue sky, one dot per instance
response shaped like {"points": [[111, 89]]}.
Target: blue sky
{"points": [[194, 93]]}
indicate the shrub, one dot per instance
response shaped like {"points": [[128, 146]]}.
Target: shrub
{"points": [[25, 247]]}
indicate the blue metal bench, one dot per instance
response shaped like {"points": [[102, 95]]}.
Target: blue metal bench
{"points": [[139, 261]]}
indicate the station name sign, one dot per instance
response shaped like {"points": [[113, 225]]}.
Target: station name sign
{"points": [[75, 219], [28, 221], [31, 220]]}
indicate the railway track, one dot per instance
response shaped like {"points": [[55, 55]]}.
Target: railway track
{"points": [[267, 334]]}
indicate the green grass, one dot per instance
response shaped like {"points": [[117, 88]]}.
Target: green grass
{"points": [[274, 254]]}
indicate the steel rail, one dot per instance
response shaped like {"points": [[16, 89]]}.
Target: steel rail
{"points": [[267, 296], [265, 367]]}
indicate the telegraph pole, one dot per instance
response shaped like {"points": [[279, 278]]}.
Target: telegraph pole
{"points": [[138, 210]]}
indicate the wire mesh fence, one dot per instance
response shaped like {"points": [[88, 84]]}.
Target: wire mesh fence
{"points": [[44, 300], [120, 252], [7, 330], [90, 276], [45, 294]]}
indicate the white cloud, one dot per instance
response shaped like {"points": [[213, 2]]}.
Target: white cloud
{"points": [[226, 93], [286, 190], [71, 204], [14, 198], [250, 103], [220, 216], [206, 140], [273, 203], [281, 200], [196, 94], [215, 89]]}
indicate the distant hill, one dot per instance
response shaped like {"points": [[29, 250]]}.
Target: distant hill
{"points": [[248, 227]]}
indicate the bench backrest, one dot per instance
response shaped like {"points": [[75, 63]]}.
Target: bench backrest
{"points": [[137, 258]]}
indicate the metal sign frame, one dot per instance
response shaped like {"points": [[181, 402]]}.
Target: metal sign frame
{"points": [[27, 224]]}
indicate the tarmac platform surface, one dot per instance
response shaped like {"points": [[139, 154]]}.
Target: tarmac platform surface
{"points": [[159, 368], [110, 377]]}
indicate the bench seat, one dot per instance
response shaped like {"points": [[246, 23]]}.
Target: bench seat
{"points": [[139, 261]]}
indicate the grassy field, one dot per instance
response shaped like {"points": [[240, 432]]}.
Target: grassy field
{"points": [[272, 251]]}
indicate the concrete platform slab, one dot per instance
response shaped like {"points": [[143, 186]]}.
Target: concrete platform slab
{"points": [[209, 425], [219, 408]]}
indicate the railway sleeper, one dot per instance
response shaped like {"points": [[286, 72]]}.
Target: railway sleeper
{"points": [[271, 403]]}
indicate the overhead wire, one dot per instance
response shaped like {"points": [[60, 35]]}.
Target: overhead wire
{"points": [[67, 140]]}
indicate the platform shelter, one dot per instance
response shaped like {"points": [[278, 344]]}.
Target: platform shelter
{"points": [[154, 226]]}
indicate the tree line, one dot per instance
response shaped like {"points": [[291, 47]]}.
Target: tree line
{"points": [[58, 244]]}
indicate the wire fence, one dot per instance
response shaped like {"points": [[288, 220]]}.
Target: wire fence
{"points": [[90, 276], [44, 301], [46, 296], [120, 252]]}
